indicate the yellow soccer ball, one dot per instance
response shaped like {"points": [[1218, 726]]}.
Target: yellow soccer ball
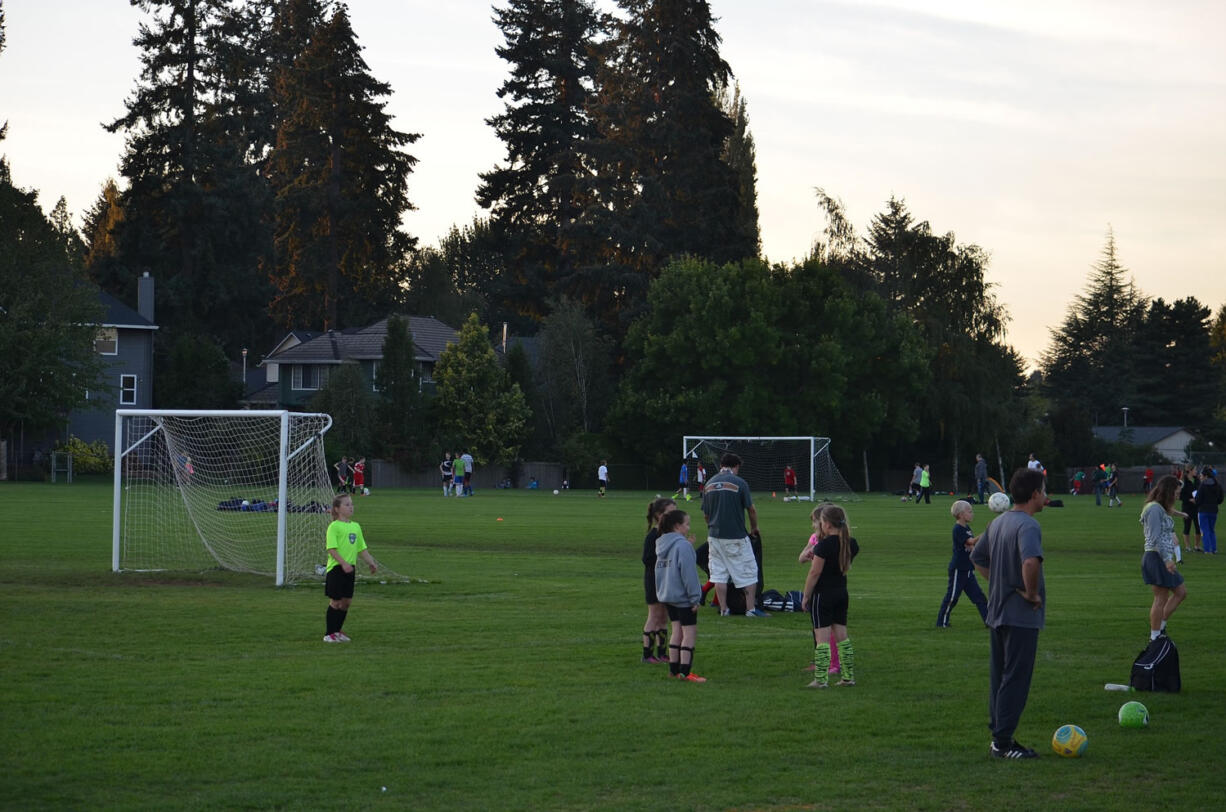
{"points": [[1069, 741]]}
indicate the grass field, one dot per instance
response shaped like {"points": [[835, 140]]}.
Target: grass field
{"points": [[512, 680]]}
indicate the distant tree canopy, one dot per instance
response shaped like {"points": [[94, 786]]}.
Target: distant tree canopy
{"points": [[49, 314]]}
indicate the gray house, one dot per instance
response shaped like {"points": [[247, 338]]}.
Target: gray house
{"points": [[300, 364], [125, 342]]}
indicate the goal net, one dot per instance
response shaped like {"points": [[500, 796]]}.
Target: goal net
{"points": [[239, 490], [764, 460]]}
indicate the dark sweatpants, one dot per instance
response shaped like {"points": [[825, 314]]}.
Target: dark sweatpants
{"points": [[1013, 654]]}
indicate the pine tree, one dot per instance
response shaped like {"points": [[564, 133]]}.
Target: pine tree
{"points": [[193, 206], [538, 196], [101, 230], [741, 155], [1089, 360], [340, 180], [665, 188]]}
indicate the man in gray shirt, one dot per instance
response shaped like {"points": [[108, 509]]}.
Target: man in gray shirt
{"points": [[725, 502], [1010, 556]]}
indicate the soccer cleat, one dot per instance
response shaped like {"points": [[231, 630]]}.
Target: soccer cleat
{"points": [[847, 683], [691, 678], [331, 638], [654, 660], [756, 612], [724, 613], [817, 683], [342, 637], [1014, 750]]}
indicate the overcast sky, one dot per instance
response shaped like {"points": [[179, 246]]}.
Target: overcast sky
{"points": [[1026, 127]]}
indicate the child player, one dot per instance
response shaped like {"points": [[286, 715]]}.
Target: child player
{"points": [[359, 476], [961, 570], [825, 595], [677, 588], [345, 544], [654, 629]]}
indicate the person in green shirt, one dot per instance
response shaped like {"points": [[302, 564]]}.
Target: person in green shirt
{"points": [[925, 484], [345, 544]]}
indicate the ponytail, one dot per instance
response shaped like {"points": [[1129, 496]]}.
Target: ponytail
{"points": [[836, 517]]}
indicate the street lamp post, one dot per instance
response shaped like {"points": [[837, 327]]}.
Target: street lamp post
{"points": [[245, 374], [1125, 408]]}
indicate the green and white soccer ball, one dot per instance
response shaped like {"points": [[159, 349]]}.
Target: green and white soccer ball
{"points": [[1134, 715], [1069, 741], [366, 491], [999, 502]]}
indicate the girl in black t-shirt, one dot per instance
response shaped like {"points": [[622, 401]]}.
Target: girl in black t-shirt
{"points": [[825, 594], [655, 630]]}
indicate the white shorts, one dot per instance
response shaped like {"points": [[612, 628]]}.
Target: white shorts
{"points": [[732, 559]]}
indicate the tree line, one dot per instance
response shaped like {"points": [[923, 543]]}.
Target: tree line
{"points": [[264, 186]]}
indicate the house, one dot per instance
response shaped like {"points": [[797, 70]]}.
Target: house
{"points": [[1169, 441], [125, 342], [302, 361]]}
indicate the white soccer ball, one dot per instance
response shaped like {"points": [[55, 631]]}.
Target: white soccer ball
{"points": [[555, 491], [366, 491], [999, 502], [246, 503]]}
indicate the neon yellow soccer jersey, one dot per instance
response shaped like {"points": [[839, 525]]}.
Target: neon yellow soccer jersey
{"points": [[346, 538]]}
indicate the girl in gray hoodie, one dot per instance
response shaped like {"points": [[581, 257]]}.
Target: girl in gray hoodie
{"points": [[677, 587]]}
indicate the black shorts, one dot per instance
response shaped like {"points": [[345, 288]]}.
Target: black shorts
{"points": [[828, 608], [338, 584], [685, 615], [649, 585]]}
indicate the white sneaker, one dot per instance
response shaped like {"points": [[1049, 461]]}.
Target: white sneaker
{"points": [[331, 638], [341, 637]]}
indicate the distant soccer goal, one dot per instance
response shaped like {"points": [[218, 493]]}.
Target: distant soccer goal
{"points": [[763, 460], [239, 490]]}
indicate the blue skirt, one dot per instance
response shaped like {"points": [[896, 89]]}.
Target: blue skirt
{"points": [[1155, 573]]}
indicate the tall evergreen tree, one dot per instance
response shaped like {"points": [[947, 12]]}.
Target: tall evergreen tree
{"points": [[941, 286], [1171, 340], [665, 188], [538, 196], [1089, 360], [741, 154], [192, 205], [340, 180], [101, 229]]}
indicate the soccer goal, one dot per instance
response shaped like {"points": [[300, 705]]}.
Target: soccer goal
{"points": [[763, 460], [240, 490]]}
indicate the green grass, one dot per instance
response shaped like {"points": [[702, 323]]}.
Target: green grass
{"points": [[512, 681]]}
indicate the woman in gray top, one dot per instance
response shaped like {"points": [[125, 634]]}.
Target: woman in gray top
{"points": [[1158, 563]]}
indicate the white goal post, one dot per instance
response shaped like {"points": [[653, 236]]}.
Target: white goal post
{"points": [[240, 490], [764, 458]]}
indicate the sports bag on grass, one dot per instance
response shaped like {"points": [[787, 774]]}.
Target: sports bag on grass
{"points": [[1157, 667]]}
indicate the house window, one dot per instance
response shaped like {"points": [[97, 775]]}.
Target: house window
{"points": [[309, 377], [106, 342], [127, 390]]}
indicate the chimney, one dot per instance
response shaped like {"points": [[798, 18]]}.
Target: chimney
{"points": [[144, 296]]}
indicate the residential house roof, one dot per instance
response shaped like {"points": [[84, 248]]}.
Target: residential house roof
{"points": [[1136, 435], [119, 314], [430, 338]]}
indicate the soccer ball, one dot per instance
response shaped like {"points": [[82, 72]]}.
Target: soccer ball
{"points": [[999, 502], [366, 491], [1069, 741], [1133, 714], [246, 504], [555, 491]]}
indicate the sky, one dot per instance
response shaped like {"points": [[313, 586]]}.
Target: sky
{"points": [[1027, 127]]}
